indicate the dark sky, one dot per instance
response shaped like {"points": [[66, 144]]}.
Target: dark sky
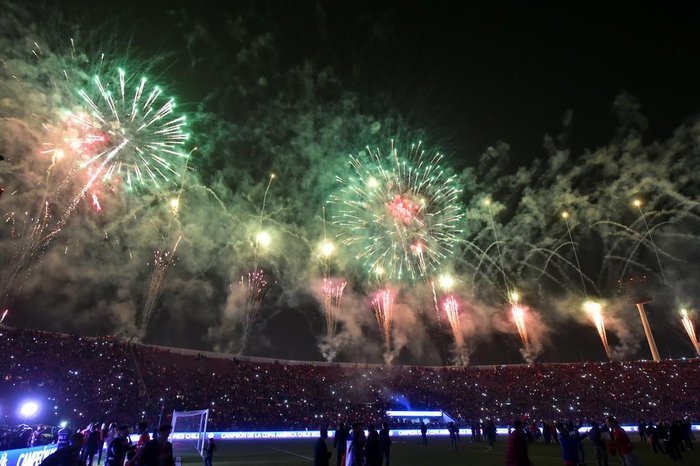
{"points": [[482, 71], [485, 71], [469, 73]]}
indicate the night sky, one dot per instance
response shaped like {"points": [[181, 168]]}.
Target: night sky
{"points": [[467, 78]]}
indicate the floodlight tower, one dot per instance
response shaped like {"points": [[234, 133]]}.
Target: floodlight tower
{"points": [[634, 288]]}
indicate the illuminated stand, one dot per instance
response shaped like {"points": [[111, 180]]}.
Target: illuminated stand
{"points": [[635, 289]]}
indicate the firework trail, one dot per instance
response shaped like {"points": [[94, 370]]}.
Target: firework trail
{"points": [[487, 202], [450, 305], [31, 241], [638, 204], [595, 312], [519, 317], [4, 314], [383, 305], [518, 312], [332, 293], [689, 329], [255, 288], [565, 216], [592, 308], [162, 262], [399, 213]]}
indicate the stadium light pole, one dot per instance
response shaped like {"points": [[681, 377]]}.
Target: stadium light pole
{"points": [[647, 332], [633, 288]]}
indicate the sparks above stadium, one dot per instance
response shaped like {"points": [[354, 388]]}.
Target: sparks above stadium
{"points": [[399, 212]]}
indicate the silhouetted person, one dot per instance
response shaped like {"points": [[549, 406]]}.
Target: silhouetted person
{"points": [[63, 438], [321, 454], [340, 443], [570, 442], [424, 432], [68, 455], [385, 443], [209, 450], [622, 442], [159, 451], [92, 444], [516, 446], [355, 454], [117, 449], [599, 449], [373, 450], [453, 436]]}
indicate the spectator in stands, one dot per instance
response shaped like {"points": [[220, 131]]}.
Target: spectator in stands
{"points": [[622, 443], [516, 446], [340, 443], [210, 449], [159, 451], [385, 443], [599, 451], [68, 455]]}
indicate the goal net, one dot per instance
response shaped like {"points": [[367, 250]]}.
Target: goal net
{"points": [[189, 431]]}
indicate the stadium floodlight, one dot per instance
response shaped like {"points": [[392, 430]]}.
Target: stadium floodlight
{"points": [[28, 409]]}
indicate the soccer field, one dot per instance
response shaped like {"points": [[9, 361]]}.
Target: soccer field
{"points": [[410, 452]]}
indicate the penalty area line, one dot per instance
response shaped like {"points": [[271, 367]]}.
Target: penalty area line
{"points": [[291, 453]]}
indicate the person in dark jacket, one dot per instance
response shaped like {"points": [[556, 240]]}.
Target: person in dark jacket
{"points": [[385, 443], [118, 448], [209, 452], [424, 432], [340, 443], [68, 455], [159, 451], [63, 437], [599, 447], [92, 444], [321, 454], [569, 441], [373, 450], [516, 446]]}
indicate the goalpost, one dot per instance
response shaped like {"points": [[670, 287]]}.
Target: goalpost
{"points": [[189, 431]]}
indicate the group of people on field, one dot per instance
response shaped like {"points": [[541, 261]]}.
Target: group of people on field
{"points": [[355, 448], [80, 448]]}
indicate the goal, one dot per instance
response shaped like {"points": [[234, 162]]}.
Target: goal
{"points": [[189, 431]]}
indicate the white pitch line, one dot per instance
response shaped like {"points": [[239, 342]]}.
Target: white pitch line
{"points": [[292, 453]]}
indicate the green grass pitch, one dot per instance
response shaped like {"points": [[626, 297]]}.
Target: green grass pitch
{"points": [[410, 452]]}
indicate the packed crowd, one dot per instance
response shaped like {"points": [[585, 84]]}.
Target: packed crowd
{"points": [[78, 377]]}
